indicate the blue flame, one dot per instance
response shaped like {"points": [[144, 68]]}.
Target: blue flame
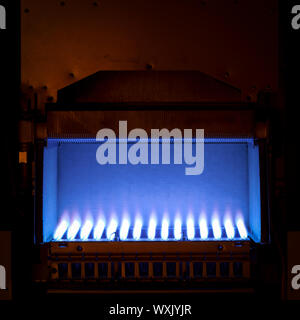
{"points": [[73, 229], [241, 228], [190, 228], [177, 229], [152, 228], [112, 230], [98, 229], [203, 228], [61, 229], [165, 229], [229, 228], [137, 230], [124, 229], [86, 229]]}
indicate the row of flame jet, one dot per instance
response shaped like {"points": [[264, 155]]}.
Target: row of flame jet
{"points": [[88, 230]]}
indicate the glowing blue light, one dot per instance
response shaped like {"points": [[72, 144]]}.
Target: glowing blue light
{"points": [[165, 229], [137, 230], [242, 229], [61, 229], [111, 229], [203, 228], [73, 229], [124, 229], [190, 228], [216, 228], [177, 229], [98, 229], [229, 228], [65, 189], [152, 228], [86, 229]]}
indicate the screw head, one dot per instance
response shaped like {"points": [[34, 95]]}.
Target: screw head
{"points": [[53, 270], [149, 66]]}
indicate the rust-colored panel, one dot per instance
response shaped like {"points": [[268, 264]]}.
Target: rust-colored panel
{"points": [[148, 86], [234, 41]]}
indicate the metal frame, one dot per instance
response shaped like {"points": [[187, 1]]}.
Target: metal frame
{"points": [[183, 253], [117, 254]]}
